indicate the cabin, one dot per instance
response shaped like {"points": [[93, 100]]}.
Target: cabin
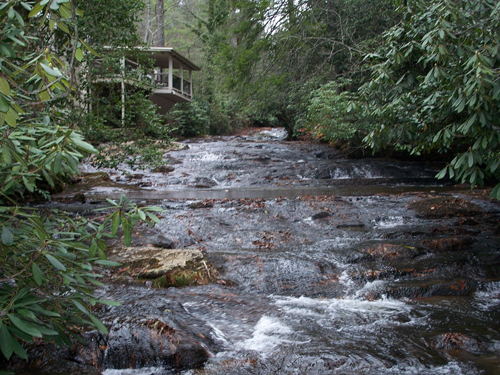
{"points": [[171, 77]]}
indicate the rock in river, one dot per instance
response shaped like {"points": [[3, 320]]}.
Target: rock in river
{"points": [[154, 261]]}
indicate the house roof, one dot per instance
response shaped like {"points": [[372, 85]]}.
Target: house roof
{"points": [[161, 54]]}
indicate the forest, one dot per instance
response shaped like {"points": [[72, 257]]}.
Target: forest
{"points": [[410, 79]]}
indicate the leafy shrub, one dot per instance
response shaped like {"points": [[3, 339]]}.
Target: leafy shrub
{"points": [[190, 119], [332, 115], [434, 86], [47, 257]]}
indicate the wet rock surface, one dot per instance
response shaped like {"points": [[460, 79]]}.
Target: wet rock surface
{"points": [[442, 207], [315, 279]]}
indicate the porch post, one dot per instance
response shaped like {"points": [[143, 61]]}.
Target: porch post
{"points": [[182, 79], [190, 83], [170, 73]]}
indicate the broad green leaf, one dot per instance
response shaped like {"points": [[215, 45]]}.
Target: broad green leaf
{"points": [[27, 314], [4, 105], [37, 274], [495, 193], [56, 263], [6, 341], [7, 237], [44, 95], [24, 326], [6, 156], [43, 311], [127, 232], [153, 217], [93, 248], [36, 9], [91, 50], [51, 71], [112, 202], [11, 117], [48, 178], [83, 145], [20, 334], [63, 27], [19, 350], [79, 54], [57, 163], [442, 173], [65, 12], [142, 215], [4, 86], [110, 303], [98, 324], [115, 222], [46, 331], [80, 307]]}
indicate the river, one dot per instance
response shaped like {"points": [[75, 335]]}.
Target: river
{"points": [[327, 265]]}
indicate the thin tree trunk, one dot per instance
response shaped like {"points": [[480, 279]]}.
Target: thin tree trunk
{"points": [[160, 41], [147, 27]]}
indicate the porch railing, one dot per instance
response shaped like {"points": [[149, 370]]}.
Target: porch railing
{"points": [[162, 81]]}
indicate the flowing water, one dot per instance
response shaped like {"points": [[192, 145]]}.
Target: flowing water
{"points": [[290, 227]]}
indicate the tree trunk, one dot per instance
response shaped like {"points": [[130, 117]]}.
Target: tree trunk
{"points": [[160, 41]]}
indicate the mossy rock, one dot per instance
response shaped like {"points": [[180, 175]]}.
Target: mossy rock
{"points": [[96, 177], [194, 273]]}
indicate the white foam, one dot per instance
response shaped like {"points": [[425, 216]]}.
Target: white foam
{"points": [[269, 333], [490, 298], [351, 314], [451, 368], [207, 156], [139, 371], [390, 221]]}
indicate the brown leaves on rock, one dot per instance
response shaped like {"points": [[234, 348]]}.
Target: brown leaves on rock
{"points": [[159, 326], [267, 237], [454, 340], [391, 251], [263, 245]]}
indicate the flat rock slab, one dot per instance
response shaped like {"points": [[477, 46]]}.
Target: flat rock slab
{"points": [[442, 207], [154, 261]]}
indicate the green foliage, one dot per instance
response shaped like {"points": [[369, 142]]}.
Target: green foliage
{"points": [[38, 149], [47, 257], [47, 263], [435, 86], [110, 22], [270, 56], [114, 24], [200, 117], [332, 115], [118, 117]]}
